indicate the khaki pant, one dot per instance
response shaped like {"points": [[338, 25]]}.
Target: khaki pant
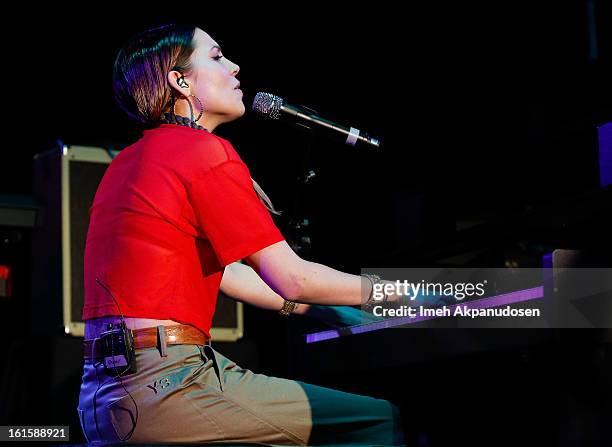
{"points": [[195, 394]]}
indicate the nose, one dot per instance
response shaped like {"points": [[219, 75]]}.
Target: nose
{"points": [[234, 68]]}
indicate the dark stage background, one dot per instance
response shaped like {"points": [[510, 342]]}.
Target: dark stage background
{"points": [[485, 111]]}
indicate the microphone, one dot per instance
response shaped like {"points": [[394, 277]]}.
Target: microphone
{"points": [[273, 107]]}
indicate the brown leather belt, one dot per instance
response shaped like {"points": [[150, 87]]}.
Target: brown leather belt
{"points": [[148, 337]]}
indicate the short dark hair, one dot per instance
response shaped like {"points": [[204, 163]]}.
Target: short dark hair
{"points": [[140, 75]]}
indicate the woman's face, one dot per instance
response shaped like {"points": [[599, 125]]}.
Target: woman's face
{"points": [[213, 81]]}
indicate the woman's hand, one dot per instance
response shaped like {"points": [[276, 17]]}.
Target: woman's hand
{"points": [[384, 292], [393, 297]]}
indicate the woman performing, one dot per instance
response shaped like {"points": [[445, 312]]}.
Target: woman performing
{"points": [[173, 214]]}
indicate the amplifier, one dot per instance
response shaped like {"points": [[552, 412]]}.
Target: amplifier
{"points": [[65, 182]]}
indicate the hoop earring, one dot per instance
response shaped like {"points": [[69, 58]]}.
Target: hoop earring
{"points": [[201, 109], [174, 99], [190, 107]]}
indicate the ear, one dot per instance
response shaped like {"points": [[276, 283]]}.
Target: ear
{"points": [[173, 78]]}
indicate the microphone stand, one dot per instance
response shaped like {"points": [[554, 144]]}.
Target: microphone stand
{"points": [[299, 226], [300, 222]]}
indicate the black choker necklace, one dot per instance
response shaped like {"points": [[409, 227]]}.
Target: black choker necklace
{"points": [[170, 118]]}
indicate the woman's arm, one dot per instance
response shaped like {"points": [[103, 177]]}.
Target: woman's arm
{"points": [[242, 283], [299, 280]]}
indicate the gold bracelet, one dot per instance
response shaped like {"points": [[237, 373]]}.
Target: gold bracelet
{"points": [[288, 308]]}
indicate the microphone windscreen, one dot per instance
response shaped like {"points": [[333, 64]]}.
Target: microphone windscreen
{"points": [[267, 105]]}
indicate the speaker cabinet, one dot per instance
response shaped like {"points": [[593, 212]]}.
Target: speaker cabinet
{"points": [[65, 182]]}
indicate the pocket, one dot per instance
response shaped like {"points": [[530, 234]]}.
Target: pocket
{"points": [[124, 417], [209, 354], [82, 421]]}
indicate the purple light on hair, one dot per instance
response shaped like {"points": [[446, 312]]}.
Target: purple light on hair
{"points": [[483, 303]]}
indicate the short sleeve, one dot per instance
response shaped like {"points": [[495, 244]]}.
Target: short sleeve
{"points": [[229, 212]]}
